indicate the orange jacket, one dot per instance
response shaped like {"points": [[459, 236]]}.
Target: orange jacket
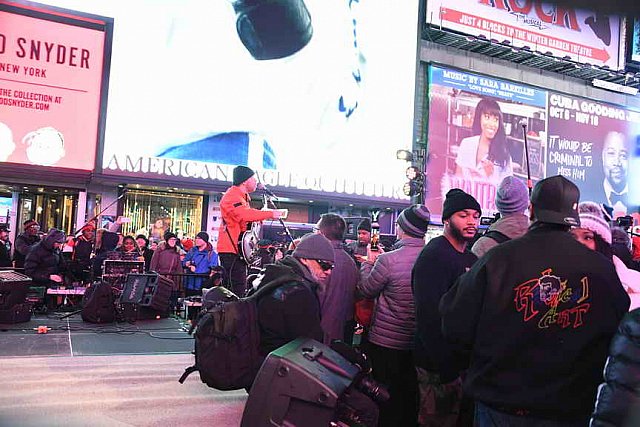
{"points": [[236, 214]]}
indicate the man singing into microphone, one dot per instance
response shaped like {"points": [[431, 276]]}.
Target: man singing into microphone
{"points": [[236, 214]]}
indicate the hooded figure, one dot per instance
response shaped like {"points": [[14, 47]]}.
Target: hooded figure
{"points": [[42, 263], [106, 251]]}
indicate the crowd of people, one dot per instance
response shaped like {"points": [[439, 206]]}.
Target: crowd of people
{"points": [[509, 329], [54, 259]]}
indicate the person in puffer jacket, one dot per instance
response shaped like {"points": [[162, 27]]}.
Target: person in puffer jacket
{"points": [[43, 260], [387, 278], [618, 401]]}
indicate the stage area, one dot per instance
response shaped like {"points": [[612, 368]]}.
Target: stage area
{"points": [[120, 374], [74, 337]]}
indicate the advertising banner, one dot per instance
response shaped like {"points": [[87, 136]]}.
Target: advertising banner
{"points": [[476, 135], [318, 99], [591, 143], [634, 42], [51, 72], [581, 35]]}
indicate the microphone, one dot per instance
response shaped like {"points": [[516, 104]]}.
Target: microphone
{"points": [[266, 191]]}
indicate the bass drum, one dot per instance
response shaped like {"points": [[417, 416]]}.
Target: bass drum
{"points": [[248, 243]]}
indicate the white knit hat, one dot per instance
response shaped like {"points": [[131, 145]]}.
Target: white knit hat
{"points": [[597, 225]]}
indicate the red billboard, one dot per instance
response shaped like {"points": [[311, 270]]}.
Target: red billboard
{"points": [[53, 72]]}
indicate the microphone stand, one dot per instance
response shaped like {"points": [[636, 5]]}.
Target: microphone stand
{"points": [[526, 152], [268, 198], [100, 213]]}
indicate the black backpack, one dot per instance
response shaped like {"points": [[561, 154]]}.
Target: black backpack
{"points": [[98, 304], [227, 337]]}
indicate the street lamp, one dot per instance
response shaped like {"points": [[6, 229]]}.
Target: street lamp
{"points": [[415, 173]]}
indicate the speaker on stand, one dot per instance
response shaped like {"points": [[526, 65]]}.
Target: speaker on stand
{"points": [[13, 297], [145, 296]]}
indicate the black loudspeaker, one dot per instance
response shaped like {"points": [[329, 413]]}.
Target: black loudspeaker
{"points": [[13, 295], [147, 290], [98, 304], [298, 385]]}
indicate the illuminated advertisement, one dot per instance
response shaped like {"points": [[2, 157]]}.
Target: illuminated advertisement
{"points": [[591, 143], [565, 32], [51, 74], [320, 99], [634, 41], [476, 136]]}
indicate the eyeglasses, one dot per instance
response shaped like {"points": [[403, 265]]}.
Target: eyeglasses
{"points": [[325, 265]]}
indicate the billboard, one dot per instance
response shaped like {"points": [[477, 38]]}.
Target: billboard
{"points": [[633, 42], [476, 134], [52, 69], [192, 95], [476, 137], [591, 143], [580, 35]]}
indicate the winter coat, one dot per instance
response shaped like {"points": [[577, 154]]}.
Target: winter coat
{"points": [[538, 314], [512, 226], [23, 243], [618, 401], [291, 310], [43, 260], [166, 260], [5, 254], [389, 281], [82, 249], [630, 280], [107, 251], [435, 271], [236, 214], [337, 294], [203, 260]]}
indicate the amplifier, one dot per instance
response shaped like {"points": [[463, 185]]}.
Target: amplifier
{"points": [[14, 287], [298, 385], [11, 276], [147, 290]]}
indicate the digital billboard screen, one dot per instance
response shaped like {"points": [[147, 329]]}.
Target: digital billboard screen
{"points": [[321, 102], [633, 42], [52, 68], [476, 134], [476, 137], [564, 31]]}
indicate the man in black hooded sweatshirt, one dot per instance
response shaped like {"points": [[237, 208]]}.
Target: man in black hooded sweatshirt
{"points": [[42, 263], [106, 251]]}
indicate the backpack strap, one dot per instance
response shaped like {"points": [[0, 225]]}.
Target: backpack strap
{"points": [[497, 236], [274, 283], [190, 370]]}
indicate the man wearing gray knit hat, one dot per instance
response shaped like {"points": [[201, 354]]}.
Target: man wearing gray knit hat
{"points": [[292, 310], [512, 200]]}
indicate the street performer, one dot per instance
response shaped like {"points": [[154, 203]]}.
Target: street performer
{"points": [[236, 215]]}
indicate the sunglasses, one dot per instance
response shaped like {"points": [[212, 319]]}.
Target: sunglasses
{"points": [[325, 265]]}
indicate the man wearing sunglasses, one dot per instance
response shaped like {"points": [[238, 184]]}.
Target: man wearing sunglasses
{"points": [[292, 310]]}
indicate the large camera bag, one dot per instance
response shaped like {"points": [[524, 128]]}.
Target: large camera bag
{"points": [[227, 338]]}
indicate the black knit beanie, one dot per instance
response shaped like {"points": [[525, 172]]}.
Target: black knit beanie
{"points": [[457, 200], [365, 224], [241, 174]]}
